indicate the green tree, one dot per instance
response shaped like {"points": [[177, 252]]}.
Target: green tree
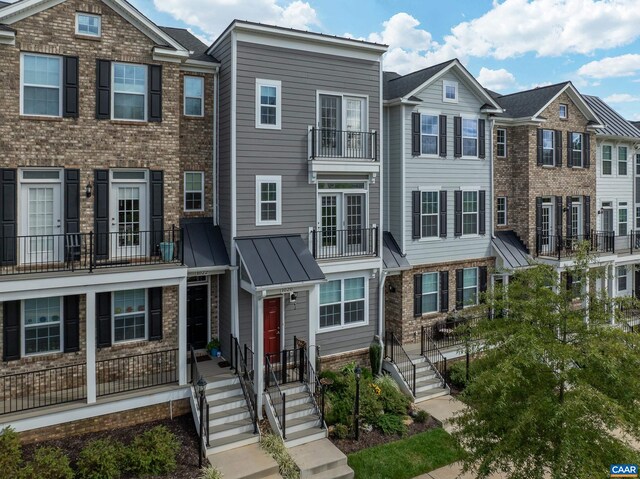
{"points": [[555, 389]]}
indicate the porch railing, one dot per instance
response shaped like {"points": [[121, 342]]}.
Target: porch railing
{"points": [[435, 358], [316, 388], [246, 377], [276, 396], [332, 243], [559, 245], [449, 332], [348, 144], [399, 357]]}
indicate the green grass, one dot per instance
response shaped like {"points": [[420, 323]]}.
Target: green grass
{"points": [[406, 458]]}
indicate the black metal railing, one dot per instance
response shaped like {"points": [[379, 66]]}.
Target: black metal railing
{"points": [[435, 358], [399, 357], [141, 371], [331, 243], [316, 388], [355, 145], [245, 375], [625, 244], [203, 406], [449, 332], [46, 387], [559, 245], [90, 251], [277, 398]]}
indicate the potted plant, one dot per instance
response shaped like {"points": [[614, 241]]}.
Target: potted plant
{"points": [[214, 347]]}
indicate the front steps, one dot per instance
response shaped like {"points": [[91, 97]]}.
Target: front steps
{"points": [[320, 459], [247, 462], [428, 384]]}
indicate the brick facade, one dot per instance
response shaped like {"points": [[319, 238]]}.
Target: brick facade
{"points": [[335, 362]]}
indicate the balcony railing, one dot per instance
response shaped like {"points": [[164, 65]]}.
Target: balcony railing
{"points": [[354, 145], [331, 243], [89, 251], [563, 246]]}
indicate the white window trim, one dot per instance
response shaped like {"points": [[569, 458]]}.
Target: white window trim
{"points": [[566, 111], [261, 179], [626, 276], [343, 326], [201, 191], [577, 205], [184, 96], [85, 34], [22, 85], [342, 96], [477, 288], [477, 137], [622, 205], [113, 320], [626, 160], [113, 92], [23, 336], [477, 213], [498, 142], [278, 86], [437, 153], [437, 236], [506, 218], [437, 293], [553, 148], [445, 84], [602, 160], [581, 150]]}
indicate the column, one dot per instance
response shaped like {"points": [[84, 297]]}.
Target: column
{"points": [[182, 332], [614, 292], [90, 344], [314, 319], [258, 322], [235, 315]]}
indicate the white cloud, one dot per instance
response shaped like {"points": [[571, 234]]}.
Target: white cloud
{"points": [[621, 98], [611, 67], [498, 80], [401, 31]]}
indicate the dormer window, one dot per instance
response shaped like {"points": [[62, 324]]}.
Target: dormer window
{"points": [[88, 24], [563, 111], [450, 91]]}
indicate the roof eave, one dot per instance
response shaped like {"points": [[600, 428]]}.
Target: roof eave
{"points": [[7, 38], [400, 101]]}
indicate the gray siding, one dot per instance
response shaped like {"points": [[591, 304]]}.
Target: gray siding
{"points": [[245, 312], [393, 171], [224, 316], [296, 319]]}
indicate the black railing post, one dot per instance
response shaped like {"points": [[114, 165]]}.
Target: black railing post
{"points": [[284, 415], [283, 366], [414, 379], [91, 252], [313, 143], [323, 387], [301, 364], [231, 351], [268, 372], [201, 431], [422, 340]]}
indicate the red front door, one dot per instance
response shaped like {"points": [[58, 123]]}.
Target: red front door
{"points": [[272, 329]]}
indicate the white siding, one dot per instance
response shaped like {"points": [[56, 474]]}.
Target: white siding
{"points": [[615, 188]]}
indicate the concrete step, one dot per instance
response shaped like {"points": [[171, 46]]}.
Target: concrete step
{"points": [[246, 462], [319, 459], [227, 380], [428, 384], [300, 410], [293, 387], [230, 415], [302, 423], [342, 472], [422, 367], [294, 399], [306, 435], [231, 428], [422, 378], [221, 444], [226, 404], [223, 392], [431, 394]]}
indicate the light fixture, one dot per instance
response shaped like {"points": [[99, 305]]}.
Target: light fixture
{"points": [[201, 386], [358, 372], [88, 190]]}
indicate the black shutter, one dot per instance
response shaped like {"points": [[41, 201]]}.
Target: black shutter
{"points": [[569, 204], [457, 136], [11, 331], [538, 223], [482, 281], [8, 216], [71, 324], [70, 92], [157, 211], [443, 136], [587, 216], [482, 142], [444, 291], [457, 206], [569, 281], [416, 203], [103, 90], [155, 93], [559, 216], [103, 320], [72, 209], [482, 212], [155, 314], [443, 214], [417, 295], [586, 141], [569, 150], [101, 213], [415, 134], [558, 146], [459, 288], [539, 147]]}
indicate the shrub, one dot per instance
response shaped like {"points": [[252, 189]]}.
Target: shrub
{"points": [[153, 452], [458, 374], [275, 447], [375, 356], [341, 431], [10, 454], [210, 472], [390, 424], [392, 399], [49, 463], [421, 416], [101, 459]]}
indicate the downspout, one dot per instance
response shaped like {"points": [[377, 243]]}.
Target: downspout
{"points": [[216, 145]]}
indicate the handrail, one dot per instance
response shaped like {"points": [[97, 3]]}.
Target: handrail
{"points": [[269, 388], [330, 243], [397, 354], [203, 408], [350, 144], [435, 358], [246, 382], [315, 388]]}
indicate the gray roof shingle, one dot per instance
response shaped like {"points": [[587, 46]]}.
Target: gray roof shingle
{"points": [[512, 251], [396, 86], [197, 49], [392, 256], [614, 124], [527, 103]]}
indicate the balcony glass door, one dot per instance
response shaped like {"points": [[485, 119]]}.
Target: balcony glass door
{"points": [[42, 224], [342, 220], [128, 221], [547, 240], [330, 124], [607, 236], [354, 114]]}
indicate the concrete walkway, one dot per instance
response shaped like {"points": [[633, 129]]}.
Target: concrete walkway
{"points": [[443, 409], [245, 462], [452, 471]]}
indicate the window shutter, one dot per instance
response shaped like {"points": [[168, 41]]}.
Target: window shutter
{"points": [[103, 320], [559, 210], [586, 142], [443, 214], [71, 323], [559, 215], [157, 211], [482, 280], [416, 200], [539, 147], [538, 222], [415, 134], [482, 212], [482, 142], [11, 331], [444, 291], [103, 90], [443, 136], [587, 216], [101, 213], [459, 288], [558, 147], [457, 136], [155, 93], [569, 151], [70, 92], [72, 208], [155, 314], [457, 205], [417, 295], [8, 215]]}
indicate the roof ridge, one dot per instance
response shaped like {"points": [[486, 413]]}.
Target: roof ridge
{"points": [[537, 88], [423, 69]]}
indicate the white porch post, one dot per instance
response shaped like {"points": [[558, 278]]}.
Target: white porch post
{"points": [[314, 312], [90, 344], [235, 315], [258, 324], [182, 331]]}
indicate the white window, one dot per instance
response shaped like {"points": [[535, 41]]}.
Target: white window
{"points": [[449, 91], [193, 96], [469, 212], [430, 293], [622, 161], [429, 134], [88, 24], [501, 210], [343, 302], [576, 217], [469, 137], [470, 287], [268, 200], [621, 273], [638, 164], [430, 210], [268, 107], [548, 144], [42, 323], [623, 219], [576, 149], [564, 111], [129, 315], [501, 143], [41, 85], [607, 161], [129, 92], [193, 191], [637, 216]]}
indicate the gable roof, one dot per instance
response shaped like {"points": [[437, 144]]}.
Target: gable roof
{"points": [[614, 124], [529, 102], [636, 124], [197, 49]]}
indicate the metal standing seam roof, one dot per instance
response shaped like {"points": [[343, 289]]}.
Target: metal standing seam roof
{"points": [[278, 260], [392, 257], [527, 103], [4, 4], [614, 124], [203, 244], [511, 249], [636, 124]]}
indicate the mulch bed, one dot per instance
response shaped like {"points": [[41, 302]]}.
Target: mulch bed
{"points": [[182, 427], [375, 437]]}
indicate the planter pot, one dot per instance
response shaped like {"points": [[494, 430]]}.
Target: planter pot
{"points": [[215, 353], [166, 251]]}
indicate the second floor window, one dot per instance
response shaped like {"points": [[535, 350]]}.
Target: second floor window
{"points": [[268, 195], [607, 162], [129, 315], [41, 85], [548, 144], [193, 191], [193, 96], [576, 217], [501, 210], [622, 161], [501, 142], [621, 273], [430, 210], [129, 95], [576, 149], [88, 24], [268, 107], [429, 134], [469, 137], [623, 219]]}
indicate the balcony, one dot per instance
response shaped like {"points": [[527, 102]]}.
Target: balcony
{"points": [[341, 151], [331, 243], [89, 251], [565, 246]]}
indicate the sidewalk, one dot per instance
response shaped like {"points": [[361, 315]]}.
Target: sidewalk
{"points": [[443, 409], [452, 471]]}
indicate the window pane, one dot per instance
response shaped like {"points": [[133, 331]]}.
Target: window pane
{"points": [[470, 296], [193, 106], [193, 201], [429, 145], [268, 192], [429, 226], [39, 70], [430, 202], [128, 107], [469, 128], [353, 289], [429, 125], [606, 152], [429, 283], [129, 78], [330, 292], [470, 277], [267, 95], [41, 101], [193, 181], [88, 24], [42, 325], [193, 87], [354, 312], [450, 92], [330, 315], [430, 303], [469, 147], [41, 310], [129, 301], [469, 201], [547, 139]]}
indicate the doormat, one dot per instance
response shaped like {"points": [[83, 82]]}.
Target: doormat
{"points": [[224, 364]]}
